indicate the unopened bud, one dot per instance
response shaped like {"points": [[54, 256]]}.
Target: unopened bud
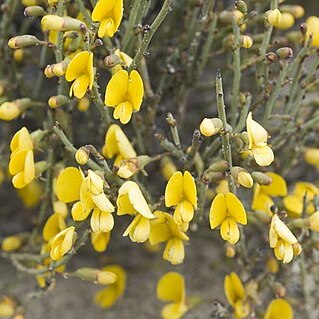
{"points": [[297, 248], [242, 177], [246, 41], [230, 251], [34, 11], [279, 290], [226, 17], [55, 23], [218, 166], [241, 6], [244, 137], [130, 166], [11, 110], [286, 22], [210, 126], [57, 69], [271, 57], [168, 167], [95, 275], [273, 17], [297, 11], [57, 101], [261, 178], [285, 53], [209, 177], [83, 104], [112, 60], [18, 55], [11, 243], [229, 42], [82, 155], [23, 41], [314, 221], [272, 265]]}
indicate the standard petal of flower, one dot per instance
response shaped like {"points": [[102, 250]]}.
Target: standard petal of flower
{"points": [[102, 9], [235, 208], [53, 226], [139, 203], [77, 66], [174, 190], [171, 287], [116, 89], [279, 308], [135, 90], [218, 211], [278, 186], [190, 191], [68, 185]]}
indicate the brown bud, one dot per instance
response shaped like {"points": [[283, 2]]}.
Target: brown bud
{"points": [[112, 60], [285, 53], [271, 57]]}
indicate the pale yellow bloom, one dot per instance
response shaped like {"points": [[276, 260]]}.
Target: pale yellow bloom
{"points": [[171, 288], [109, 13], [281, 239], [181, 192], [107, 297], [226, 211], [124, 93], [258, 137], [81, 71]]}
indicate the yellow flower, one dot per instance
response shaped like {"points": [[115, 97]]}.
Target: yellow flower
{"points": [[131, 201], [109, 13], [88, 192], [273, 17], [281, 239], [21, 163], [279, 308], [100, 241], [313, 29], [125, 93], [171, 288], [164, 229], [62, 243], [226, 211], [286, 22], [31, 194], [262, 194], [258, 136], [181, 192], [294, 203], [236, 296], [107, 297], [168, 168], [81, 71], [117, 144], [126, 60], [11, 243], [311, 156]]}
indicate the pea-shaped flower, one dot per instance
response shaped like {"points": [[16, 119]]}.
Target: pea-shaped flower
{"points": [[62, 243], [258, 137], [131, 201], [282, 240], [226, 211], [181, 192], [21, 163], [125, 93], [279, 308], [81, 71], [109, 13]]}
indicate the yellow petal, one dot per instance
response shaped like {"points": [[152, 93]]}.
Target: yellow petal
{"points": [[189, 187], [279, 308], [184, 211], [283, 231], [218, 211], [289, 253], [17, 161], [135, 90], [229, 231], [53, 226], [174, 310], [100, 241], [263, 155], [278, 186], [102, 9], [123, 112], [101, 221], [234, 289], [79, 86], [21, 140], [29, 169], [139, 229], [256, 133], [77, 212], [235, 208], [174, 251], [174, 190], [103, 203], [116, 89], [77, 66], [294, 204], [68, 185], [171, 287]]}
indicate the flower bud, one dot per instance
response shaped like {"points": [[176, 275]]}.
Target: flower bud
{"points": [[168, 167], [57, 69], [273, 17], [242, 177], [23, 41], [244, 137], [261, 178], [313, 221], [130, 166], [57, 101], [112, 60], [82, 155], [279, 290], [218, 166], [55, 23], [285, 53], [226, 17], [7, 307], [297, 11], [286, 22], [271, 57], [34, 11], [11, 243], [210, 126], [241, 6], [11, 110], [18, 55], [230, 251], [246, 41], [311, 156], [297, 248], [95, 275], [272, 265], [209, 177], [83, 104]]}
